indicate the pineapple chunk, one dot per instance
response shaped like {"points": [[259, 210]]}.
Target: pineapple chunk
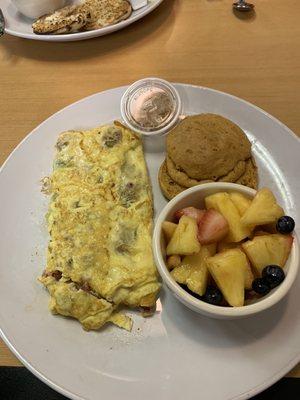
{"points": [[241, 202], [268, 250], [193, 271], [249, 277], [173, 261], [260, 232], [181, 273], [197, 280], [222, 203], [229, 272], [184, 240], [168, 229], [263, 210]]}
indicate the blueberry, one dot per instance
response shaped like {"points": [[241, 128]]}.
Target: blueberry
{"points": [[213, 296], [260, 286], [285, 225], [273, 275]]}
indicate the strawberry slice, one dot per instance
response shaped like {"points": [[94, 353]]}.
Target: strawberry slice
{"points": [[212, 227], [190, 212]]}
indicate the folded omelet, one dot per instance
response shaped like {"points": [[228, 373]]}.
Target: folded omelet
{"points": [[100, 224]]}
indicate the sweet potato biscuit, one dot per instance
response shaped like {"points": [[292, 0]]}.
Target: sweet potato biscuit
{"points": [[207, 146], [169, 188], [238, 170], [183, 179], [250, 177]]}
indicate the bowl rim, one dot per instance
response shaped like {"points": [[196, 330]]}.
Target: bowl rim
{"points": [[199, 305]]}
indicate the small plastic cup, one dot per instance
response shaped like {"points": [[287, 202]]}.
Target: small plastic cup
{"points": [[151, 106]]}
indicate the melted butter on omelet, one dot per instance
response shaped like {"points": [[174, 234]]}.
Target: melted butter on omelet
{"points": [[100, 224]]}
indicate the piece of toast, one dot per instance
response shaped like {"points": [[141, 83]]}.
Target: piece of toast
{"points": [[106, 12], [68, 19]]}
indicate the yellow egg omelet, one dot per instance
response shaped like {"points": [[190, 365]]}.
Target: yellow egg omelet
{"points": [[100, 224]]}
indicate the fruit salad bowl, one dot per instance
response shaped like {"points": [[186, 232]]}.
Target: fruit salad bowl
{"points": [[196, 197]]}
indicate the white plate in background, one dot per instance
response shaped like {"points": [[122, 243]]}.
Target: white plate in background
{"points": [[177, 353], [17, 24]]}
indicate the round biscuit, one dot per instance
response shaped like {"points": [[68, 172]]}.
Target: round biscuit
{"points": [[168, 187], [181, 177], [238, 170], [207, 146], [250, 177]]}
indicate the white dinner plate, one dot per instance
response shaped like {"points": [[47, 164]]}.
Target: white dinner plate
{"points": [[17, 24], [177, 353]]}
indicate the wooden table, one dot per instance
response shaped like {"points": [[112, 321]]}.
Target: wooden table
{"points": [[194, 41]]}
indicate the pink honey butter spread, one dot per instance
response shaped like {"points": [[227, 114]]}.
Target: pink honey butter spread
{"points": [[151, 107]]}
